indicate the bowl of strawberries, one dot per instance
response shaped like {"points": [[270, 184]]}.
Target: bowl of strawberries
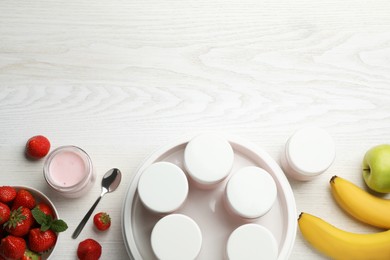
{"points": [[29, 224]]}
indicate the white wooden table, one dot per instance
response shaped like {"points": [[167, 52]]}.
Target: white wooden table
{"points": [[122, 78]]}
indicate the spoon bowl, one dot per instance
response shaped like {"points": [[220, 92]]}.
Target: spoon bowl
{"points": [[110, 182]]}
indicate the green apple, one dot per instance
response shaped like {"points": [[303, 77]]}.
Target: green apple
{"points": [[376, 168]]}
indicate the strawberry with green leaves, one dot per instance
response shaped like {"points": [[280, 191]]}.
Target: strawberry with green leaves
{"points": [[7, 194], [45, 209], [102, 221], [5, 213], [47, 221], [44, 238], [12, 247], [19, 222], [23, 198]]}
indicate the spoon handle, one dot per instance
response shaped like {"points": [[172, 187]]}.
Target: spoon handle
{"points": [[85, 219]]}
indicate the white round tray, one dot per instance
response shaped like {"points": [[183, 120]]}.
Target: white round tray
{"points": [[207, 208]]}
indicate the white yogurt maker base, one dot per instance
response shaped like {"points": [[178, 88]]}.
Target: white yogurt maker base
{"points": [[206, 207]]}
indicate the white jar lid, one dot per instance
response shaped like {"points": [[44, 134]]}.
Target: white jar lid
{"points": [[251, 192], [251, 241], [310, 151], [176, 237], [163, 187], [208, 158]]}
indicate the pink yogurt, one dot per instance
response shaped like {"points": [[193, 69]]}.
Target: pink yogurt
{"points": [[69, 171]]}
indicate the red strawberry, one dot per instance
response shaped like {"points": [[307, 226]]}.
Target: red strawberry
{"points": [[30, 255], [41, 241], [89, 249], [19, 222], [7, 194], [37, 147], [12, 247], [25, 199], [5, 213], [45, 209], [102, 221]]}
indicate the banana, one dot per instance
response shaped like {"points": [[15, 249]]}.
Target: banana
{"points": [[360, 204], [343, 245]]}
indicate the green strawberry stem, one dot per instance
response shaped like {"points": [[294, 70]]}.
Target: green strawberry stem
{"points": [[15, 217]]}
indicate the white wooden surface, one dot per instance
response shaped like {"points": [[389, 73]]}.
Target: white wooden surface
{"points": [[121, 78]]}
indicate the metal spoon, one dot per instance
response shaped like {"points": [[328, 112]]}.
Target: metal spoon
{"points": [[110, 182]]}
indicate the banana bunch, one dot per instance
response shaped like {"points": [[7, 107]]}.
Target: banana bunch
{"points": [[343, 245]]}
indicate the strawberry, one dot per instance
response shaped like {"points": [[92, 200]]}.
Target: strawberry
{"points": [[43, 238], [47, 221], [7, 194], [30, 255], [20, 222], [102, 221], [12, 247], [25, 199], [45, 209], [89, 249], [5, 213], [37, 147], [41, 241]]}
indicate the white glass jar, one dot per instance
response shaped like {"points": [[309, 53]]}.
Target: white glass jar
{"points": [[308, 153], [250, 192], [69, 171], [176, 237], [163, 187], [208, 159], [251, 241]]}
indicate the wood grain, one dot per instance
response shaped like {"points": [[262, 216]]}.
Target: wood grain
{"points": [[121, 78]]}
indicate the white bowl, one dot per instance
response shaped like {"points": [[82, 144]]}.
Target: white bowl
{"points": [[40, 197]]}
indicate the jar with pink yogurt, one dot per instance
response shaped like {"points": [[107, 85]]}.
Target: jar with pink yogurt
{"points": [[69, 171]]}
